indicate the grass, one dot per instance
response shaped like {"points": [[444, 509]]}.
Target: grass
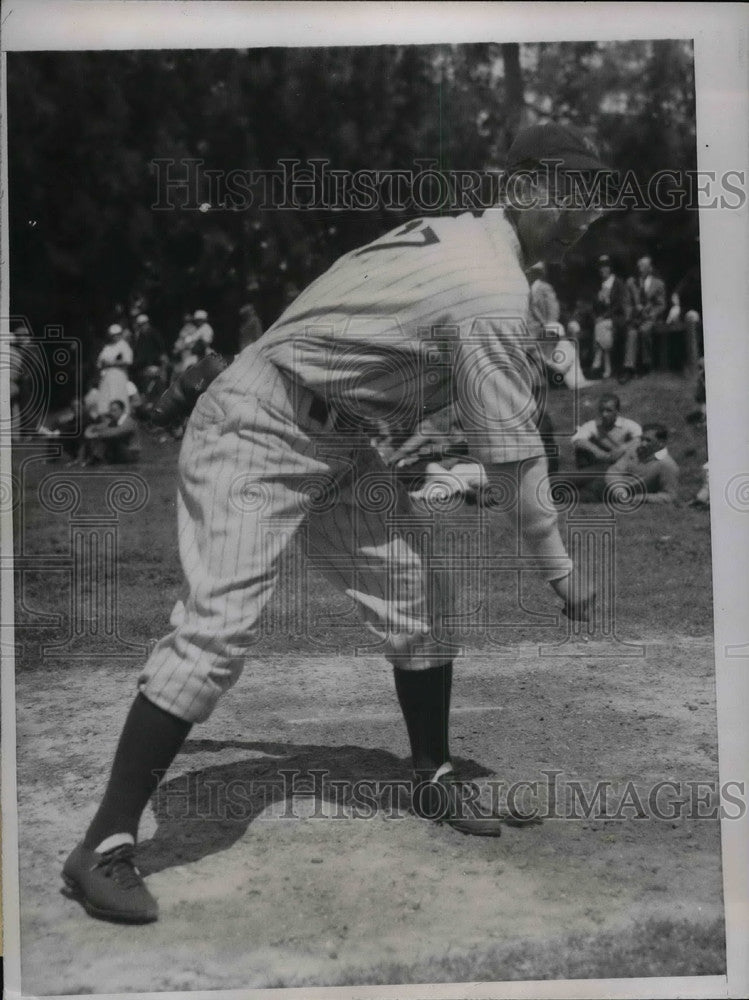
{"points": [[656, 948], [663, 587], [662, 577]]}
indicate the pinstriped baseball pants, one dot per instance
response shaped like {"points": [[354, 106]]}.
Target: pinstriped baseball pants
{"points": [[254, 467]]}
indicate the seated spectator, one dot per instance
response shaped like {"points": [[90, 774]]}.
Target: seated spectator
{"points": [[702, 498], [579, 323], [685, 317], [203, 329], [699, 416], [611, 317], [66, 427], [91, 400], [647, 466], [114, 438], [250, 327], [113, 362], [182, 349], [560, 354], [134, 399], [601, 442], [648, 311]]}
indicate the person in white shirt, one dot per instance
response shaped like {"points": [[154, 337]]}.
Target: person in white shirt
{"points": [[600, 442], [114, 362], [195, 337]]}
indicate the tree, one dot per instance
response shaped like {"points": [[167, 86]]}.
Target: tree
{"points": [[85, 131]]}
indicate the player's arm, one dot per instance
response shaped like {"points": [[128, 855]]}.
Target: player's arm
{"points": [[494, 388], [539, 529], [594, 446]]}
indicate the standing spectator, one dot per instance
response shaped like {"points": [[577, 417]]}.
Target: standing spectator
{"points": [[250, 327], [114, 362], [611, 314], [649, 311], [114, 439], [648, 466], [149, 355]]}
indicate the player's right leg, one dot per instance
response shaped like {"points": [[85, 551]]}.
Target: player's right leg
{"points": [[243, 486], [368, 546]]}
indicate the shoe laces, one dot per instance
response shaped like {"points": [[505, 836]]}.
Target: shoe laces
{"points": [[118, 864]]}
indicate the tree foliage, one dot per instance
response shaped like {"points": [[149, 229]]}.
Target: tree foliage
{"points": [[86, 127]]}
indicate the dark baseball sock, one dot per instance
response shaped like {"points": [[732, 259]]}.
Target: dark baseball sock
{"points": [[151, 739], [424, 697]]}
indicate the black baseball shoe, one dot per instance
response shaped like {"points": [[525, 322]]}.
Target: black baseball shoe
{"points": [[109, 886], [444, 798]]}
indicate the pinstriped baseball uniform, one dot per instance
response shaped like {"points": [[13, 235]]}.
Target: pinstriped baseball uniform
{"points": [[429, 315]]}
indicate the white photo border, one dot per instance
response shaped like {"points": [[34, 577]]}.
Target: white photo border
{"points": [[721, 44]]}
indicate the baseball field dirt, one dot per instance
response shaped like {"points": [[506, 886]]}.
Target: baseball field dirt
{"points": [[262, 885]]}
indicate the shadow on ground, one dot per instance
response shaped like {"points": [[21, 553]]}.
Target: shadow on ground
{"points": [[206, 810]]}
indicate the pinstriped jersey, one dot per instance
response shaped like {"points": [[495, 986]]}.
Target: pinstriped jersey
{"points": [[430, 315]]}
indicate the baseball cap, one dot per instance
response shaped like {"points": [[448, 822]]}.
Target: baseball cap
{"points": [[114, 330], [604, 259], [200, 314], [565, 143], [142, 318]]}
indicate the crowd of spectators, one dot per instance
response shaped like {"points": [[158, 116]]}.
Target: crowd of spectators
{"points": [[632, 327], [612, 450], [624, 333]]}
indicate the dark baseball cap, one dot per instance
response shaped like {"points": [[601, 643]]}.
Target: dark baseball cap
{"points": [[552, 142]]}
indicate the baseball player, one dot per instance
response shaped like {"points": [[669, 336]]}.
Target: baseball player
{"points": [[429, 318]]}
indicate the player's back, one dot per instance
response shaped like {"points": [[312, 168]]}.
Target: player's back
{"points": [[365, 331]]}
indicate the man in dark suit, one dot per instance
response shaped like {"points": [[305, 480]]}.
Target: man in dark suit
{"points": [[149, 353], [648, 313]]}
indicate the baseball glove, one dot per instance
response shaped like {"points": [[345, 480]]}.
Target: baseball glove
{"points": [[178, 402]]}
